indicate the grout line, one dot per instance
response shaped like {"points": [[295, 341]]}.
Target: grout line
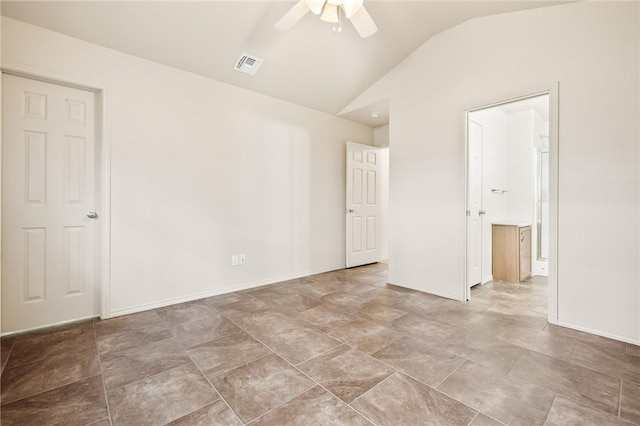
{"points": [[285, 360], [620, 399], [104, 386], [474, 417], [321, 353], [280, 405], [375, 386], [164, 323], [491, 417], [362, 414], [588, 406], [2, 367], [464, 361], [302, 372], [553, 401]]}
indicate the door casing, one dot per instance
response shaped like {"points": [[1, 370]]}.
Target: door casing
{"points": [[553, 91]]}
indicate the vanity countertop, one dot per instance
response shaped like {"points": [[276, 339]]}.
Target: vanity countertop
{"points": [[511, 223]]}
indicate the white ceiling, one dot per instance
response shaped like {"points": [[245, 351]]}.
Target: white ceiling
{"points": [[309, 65]]}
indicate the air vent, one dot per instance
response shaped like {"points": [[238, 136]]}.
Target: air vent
{"points": [[248, 64]]}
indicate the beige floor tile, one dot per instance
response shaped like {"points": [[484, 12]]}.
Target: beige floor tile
{"points": [[420, 360], [161, 398], [400, 400], [130, 365], [260, 386], [29, 379], [314, 407], [323, 318], [367, 335], [616, 364], [503, 397], [216, 413], [565, 412], [39, 346], [223, 355], [78, 403], [630, 402], [346, 372], [573, 381]]}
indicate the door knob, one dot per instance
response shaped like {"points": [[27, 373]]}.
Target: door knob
{"points": [[482, 212], [349, 210], [92, 215]]}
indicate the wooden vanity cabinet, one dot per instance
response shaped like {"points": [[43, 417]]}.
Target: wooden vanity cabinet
{"points": [[511, 252]]}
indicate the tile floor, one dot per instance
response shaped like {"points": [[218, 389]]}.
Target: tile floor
{"points": [[341, 348]]}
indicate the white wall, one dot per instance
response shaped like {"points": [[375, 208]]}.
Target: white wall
{"points": [[381, 136], [520, 166], [592, 50], [201, 170]]}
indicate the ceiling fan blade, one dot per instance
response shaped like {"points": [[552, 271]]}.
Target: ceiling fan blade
{"points": [[363, 23], [292, 16]]}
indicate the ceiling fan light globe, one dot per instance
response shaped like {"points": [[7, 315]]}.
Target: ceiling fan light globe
{"points": [[351, 7], [336, 2], [330, 13], [315, 6]]}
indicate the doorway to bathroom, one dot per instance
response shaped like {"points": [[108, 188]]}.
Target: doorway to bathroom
{"points": [[508, 202]]}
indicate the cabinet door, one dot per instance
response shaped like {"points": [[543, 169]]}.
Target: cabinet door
{"points": [[525, 252]]}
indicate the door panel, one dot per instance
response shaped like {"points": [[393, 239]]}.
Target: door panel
{"points": [[474, 205], [363, 209], [48, 185]]}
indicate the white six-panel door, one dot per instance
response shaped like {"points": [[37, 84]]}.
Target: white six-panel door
{"points": [[363, 204], [474, 204], [48, 188]]}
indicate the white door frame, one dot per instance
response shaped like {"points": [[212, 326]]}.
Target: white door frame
{"points": [[553, 92], [469, 210], [103, 151]]}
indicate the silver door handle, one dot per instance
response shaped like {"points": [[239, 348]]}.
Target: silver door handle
{"points": [[482, 212], [92, 215], [349, 210]]}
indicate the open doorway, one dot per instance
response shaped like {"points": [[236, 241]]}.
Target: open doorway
{"points": [[508, 201]]}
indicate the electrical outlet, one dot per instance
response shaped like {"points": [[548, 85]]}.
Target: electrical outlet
{"points": [[242, 258], [234, 260]]}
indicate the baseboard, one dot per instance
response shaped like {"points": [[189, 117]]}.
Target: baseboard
{"points": [[218, 292], [599, 333]]}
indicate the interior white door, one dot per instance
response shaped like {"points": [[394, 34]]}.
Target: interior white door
{"points": [[48, 193], [363, 204], [474, 204]]}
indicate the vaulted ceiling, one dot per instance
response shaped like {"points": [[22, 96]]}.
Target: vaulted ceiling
{"points": [[308, 65]]}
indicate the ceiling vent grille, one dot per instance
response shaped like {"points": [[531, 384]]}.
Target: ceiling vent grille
{"points": [[248, 64]]}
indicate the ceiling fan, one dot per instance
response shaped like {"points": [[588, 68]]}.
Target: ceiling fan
{"points": [[331, 11]]}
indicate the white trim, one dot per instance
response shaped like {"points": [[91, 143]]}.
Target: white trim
{"points": [[205, 294], [553, 91], [42, 327], [466, 293], [104, 141], [599, 333], [554, 201]]}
